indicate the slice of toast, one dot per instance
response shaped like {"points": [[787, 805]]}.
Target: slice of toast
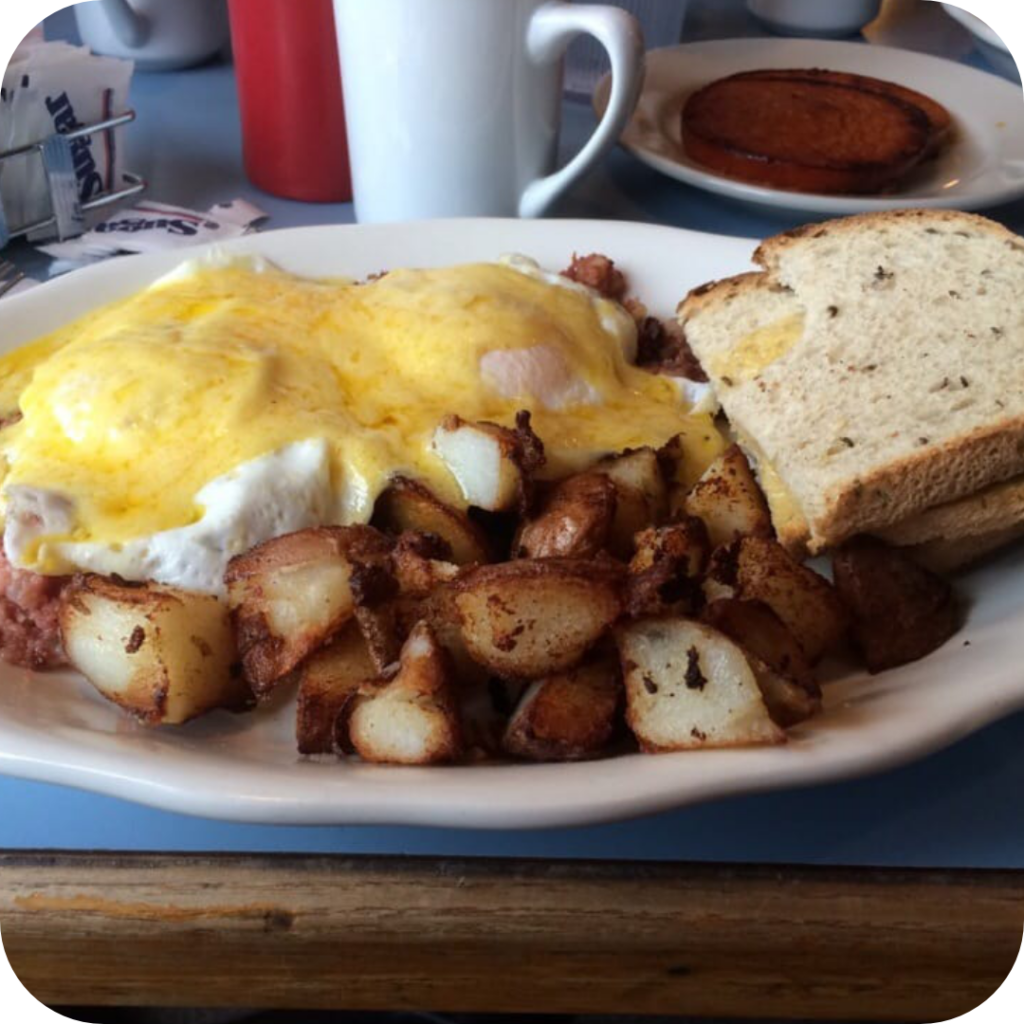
{"points": [[877, 367], [990, 512], [944, 556]]}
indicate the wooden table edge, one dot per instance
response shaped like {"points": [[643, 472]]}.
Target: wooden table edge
{"points": [[495, 935]]}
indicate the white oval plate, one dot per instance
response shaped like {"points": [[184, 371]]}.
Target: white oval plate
{"points": [[985, 167], [55, 728]]}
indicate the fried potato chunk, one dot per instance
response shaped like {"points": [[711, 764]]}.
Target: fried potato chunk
{"points": [[689, 686], [684, 542], [901, 611], [759, 569], [420, 562], [641, 496], [787, 683], [575, 520], [327, 680], [162, 654], [532, 618], [569, 716], [291, 595], [414, 717], [686, 457], [408, 505], [492, 465], [439, 611], [727, 497], [666, 568], [380, 628], [419, 574]]}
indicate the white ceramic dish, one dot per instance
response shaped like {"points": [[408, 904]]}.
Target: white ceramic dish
{"points": [[55, 728], [991, 45], [985, 167]]}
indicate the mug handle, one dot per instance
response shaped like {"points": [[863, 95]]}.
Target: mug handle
{"points": [[552, 28], [129, 26]]}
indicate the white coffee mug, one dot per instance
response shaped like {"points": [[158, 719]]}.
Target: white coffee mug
{"points": [[157, 34], [453, 107]]}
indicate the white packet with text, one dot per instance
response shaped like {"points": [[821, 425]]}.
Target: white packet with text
{"points": [[149, 226]]}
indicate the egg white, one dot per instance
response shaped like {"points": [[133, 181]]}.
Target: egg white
{"points": [[266, 497]]}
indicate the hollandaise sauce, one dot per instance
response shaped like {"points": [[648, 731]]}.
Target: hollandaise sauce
{"points": [[129, 412]]}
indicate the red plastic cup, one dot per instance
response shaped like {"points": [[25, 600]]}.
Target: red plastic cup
{"points": [[289, 93]]}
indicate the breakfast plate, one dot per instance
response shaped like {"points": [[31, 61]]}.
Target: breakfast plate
{"points": [[55, 728], [983, 167]]}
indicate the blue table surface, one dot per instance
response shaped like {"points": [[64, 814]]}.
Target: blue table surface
{"points": [[957, 808]]}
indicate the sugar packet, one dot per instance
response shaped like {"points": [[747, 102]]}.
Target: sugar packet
{"points": [[51, 87], [149, 226]]}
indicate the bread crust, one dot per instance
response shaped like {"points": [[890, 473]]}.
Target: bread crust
{"points": [[995, 509], [907, 486], [944, 556], [769, 252], [715, 293]]}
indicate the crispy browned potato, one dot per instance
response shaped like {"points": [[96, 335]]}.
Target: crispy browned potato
{"points": [[575, 520], [787, 683], [727, 497], [493, 465], [901, 611], [665, 571], [689, 686], [686, 457], [533, 618], [759, 569], [758, 630], [162, 654], [327, 680], [439, 611], [684, 542], [421, 562], [292, 594], [641, 496], [408, 505], [414, 717], [380, 628], [787, 703], [422, 574], [566, 717]]}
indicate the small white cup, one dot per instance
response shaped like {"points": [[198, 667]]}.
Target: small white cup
{"points": [[453, 107], [157, 34], [816, 17]]}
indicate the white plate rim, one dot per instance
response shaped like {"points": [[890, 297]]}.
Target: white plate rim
{"points": [[172, 771], [819, 53]]}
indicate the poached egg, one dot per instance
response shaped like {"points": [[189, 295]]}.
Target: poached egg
{"points": [[232, 401]]}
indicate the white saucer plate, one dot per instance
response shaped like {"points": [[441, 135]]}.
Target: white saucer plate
{"points": [[984, 166], [55, 728]]}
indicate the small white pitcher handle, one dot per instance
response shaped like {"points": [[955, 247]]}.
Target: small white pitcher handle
{"points": [[130, 27], [552, 28]]}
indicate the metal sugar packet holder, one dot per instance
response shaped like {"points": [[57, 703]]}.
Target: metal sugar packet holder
{"points": [[68, 217]]}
